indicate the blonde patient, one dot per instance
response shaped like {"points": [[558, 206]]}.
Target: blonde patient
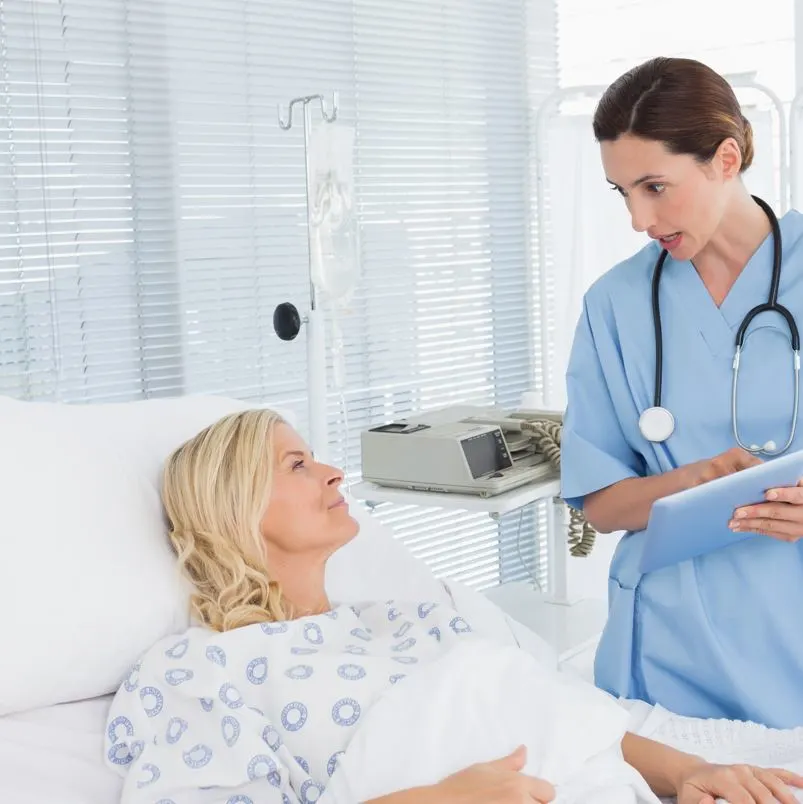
{"points": [[253, 519]]}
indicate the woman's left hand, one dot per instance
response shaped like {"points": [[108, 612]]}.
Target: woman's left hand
{"points": [[781, 517], [738, 784]]}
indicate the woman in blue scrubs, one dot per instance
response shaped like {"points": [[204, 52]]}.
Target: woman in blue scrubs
{"points": [[720, 635]]}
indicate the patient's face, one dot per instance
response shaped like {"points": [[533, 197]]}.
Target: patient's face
{"points": [[307, 512]]}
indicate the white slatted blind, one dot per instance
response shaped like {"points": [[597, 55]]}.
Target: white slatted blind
{"points": [[85, 216], [152, 212]]}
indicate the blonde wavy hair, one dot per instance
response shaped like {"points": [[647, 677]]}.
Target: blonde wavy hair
{"points": [[215, 490]]}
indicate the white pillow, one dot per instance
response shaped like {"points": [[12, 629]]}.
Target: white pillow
{"points": [[87, 578]]}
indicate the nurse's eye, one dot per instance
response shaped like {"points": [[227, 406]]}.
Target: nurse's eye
{"points": [[656, 189], [617, 189]]}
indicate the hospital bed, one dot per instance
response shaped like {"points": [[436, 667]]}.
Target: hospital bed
{"points": [[88, 583]]}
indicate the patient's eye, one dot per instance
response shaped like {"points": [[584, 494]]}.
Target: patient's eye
{"points": [[299, 464]]}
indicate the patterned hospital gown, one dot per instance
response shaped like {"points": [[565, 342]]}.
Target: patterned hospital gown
{"points": [[261, 714]]}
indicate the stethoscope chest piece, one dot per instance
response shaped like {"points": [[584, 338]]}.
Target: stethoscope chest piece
{"points": [[656, 424]]}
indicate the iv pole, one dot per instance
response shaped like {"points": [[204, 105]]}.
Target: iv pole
{"points": [[286, 320]]}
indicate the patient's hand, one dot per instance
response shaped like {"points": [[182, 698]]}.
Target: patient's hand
{"points": [[738, 784], [497, 782]]}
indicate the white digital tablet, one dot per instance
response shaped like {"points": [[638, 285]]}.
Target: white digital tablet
{"points": [[694, 522]]}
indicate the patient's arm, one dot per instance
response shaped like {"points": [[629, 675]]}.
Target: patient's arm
{"points": [[694, 781], [662, 767], [499, 781]]}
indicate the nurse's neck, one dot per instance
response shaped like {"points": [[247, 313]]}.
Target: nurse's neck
{"points": [[743, 229]]}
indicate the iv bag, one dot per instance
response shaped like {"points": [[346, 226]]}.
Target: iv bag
{"points": [[334, 233]]}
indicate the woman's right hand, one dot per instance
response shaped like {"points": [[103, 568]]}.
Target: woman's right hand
{"points": [[726, 463], [496, 782]]}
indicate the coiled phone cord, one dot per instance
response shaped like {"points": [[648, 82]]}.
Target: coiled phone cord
{"points": [[546, 434]]}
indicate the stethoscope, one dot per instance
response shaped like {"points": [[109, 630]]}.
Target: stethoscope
{"points": [[657, 423]]}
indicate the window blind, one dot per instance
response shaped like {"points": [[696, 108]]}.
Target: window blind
{"points": [[152, 213]]}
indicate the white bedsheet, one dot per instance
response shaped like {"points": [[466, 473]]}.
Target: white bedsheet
{"points": [[54, 756]]}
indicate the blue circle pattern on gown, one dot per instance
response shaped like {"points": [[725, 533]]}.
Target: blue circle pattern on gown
{"points": [[394, 679], [216, 655], [297, 723], [405, 659], [230, 728], [206, 704], [459, 625], [137, 747], [303, 651], [120, 754], [271, 738], [239, 799], [178, 650], [132, 681], [303, 762], [405, 645], [313, 633], [351, 672], [300, 672], [424, 609], [128, 728], [198, 756], [257, 670], [261, 767], [230, 695], [273, 628], [176, 677], [154, 772], [346, 720], [165, 801], [435, 632], [393, 613], [331, 765], [151, 709], [361, 633], [403, 630], [175, 730], [310, 792], [357, 650]]}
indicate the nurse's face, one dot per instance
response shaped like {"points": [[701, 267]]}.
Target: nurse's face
{"points": [[674, 198]]}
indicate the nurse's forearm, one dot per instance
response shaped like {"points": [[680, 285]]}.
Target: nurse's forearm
{"points": [[663, 768], [626, 505]]}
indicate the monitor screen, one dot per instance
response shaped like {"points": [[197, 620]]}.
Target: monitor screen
{"points": [[486, 453]]}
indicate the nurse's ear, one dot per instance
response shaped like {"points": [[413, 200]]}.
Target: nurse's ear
{"points": [[728, 159]]}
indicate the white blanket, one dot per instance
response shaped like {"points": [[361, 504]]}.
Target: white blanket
{"points": [[480, 702]]}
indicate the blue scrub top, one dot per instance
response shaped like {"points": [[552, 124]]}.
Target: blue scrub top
{"points": [[720, 636]]}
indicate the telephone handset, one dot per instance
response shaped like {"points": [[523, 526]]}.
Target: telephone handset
{"points": [[540, 431]]}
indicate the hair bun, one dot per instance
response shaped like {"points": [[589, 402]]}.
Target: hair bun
{"points": [[747, 148]]}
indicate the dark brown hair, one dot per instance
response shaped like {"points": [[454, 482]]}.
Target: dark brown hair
{"points": [[679, 102]]}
